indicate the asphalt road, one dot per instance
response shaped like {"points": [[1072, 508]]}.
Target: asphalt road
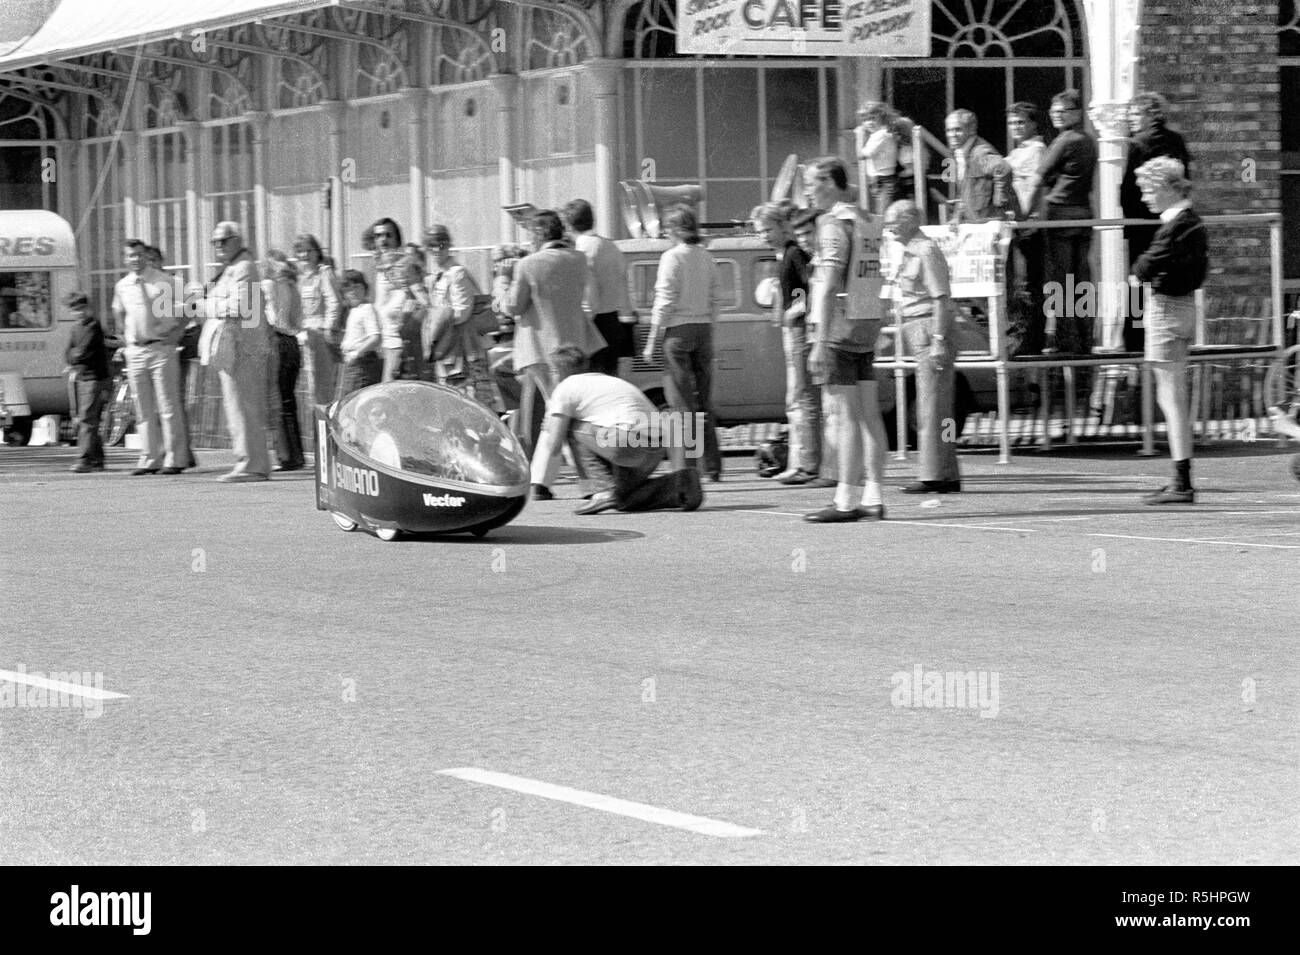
{"points": [[295, 694]]}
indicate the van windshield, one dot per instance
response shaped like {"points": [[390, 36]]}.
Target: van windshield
{"points": [[25, 300]]}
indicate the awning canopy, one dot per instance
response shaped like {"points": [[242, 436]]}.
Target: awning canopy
{"points": [[82, 27]]}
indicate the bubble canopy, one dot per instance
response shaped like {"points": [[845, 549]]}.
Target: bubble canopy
{"points": [[428, 432]]}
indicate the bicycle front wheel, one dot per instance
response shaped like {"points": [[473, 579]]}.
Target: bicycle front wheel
{"points": [[1282, 381]]}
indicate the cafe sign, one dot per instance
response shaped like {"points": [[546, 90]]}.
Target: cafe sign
{"points": [[804, 27]]}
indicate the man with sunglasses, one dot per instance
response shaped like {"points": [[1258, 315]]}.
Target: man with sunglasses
{"points": [[235, 298]]}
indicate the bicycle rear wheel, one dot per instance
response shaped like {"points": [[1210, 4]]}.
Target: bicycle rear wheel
{"points": [[119, 416]]}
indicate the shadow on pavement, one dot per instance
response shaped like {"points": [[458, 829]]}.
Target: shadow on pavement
{"points": [[526, 534]]}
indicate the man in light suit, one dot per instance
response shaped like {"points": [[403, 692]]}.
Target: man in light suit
{"points": [[236, 299], [546, 297], [983, 176]]}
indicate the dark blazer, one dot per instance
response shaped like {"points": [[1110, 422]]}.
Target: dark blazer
{"points": [[86, 352], [1066, 176], [986, 188], [1159, 140], [1176, 261]]}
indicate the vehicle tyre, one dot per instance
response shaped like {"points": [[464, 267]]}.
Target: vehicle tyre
{"points": [[20, 431], [1282, 381], [480, 531], [386, 533], [344, 523]]}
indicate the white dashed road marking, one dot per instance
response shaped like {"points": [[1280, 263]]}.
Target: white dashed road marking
{"points": [[620, 807], [68, 689], [1199, 540]]}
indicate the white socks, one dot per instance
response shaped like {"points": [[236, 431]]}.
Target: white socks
{"points": [[873, 495], [845, 495]]}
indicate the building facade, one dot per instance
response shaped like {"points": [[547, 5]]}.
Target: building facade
{"points": [[321, 116]]}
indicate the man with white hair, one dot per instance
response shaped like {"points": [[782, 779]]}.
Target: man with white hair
{"points": [[235, 298]]}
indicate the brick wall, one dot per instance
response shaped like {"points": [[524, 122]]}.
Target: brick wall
{"points": [[1216, 63]]}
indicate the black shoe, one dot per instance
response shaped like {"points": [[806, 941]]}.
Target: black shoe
{"points": [[823, 482], [832, 515], [871, 512], [715, 476], [1171, 495], [284, 467], [141, 471], [171, 470], [798, 477], [689, 492], [540, 492], [83, 468], [932, 487], [601, 501]]}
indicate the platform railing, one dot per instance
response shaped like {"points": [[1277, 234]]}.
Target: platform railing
{"points": [[1003, 365]]}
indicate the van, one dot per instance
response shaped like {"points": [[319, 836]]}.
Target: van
{"points": [[748, 355], [38, 267]]}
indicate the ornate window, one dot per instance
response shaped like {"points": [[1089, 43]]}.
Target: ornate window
{"points": [[725, 122], [379, 71], [984, 57], [553, 39], [227, 99], [298, 85], [460, 57], [23, 160]]}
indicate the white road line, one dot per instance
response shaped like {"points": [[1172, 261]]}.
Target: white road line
{"points": [[68, 689], [890, 520], [1199, 540], [621, 807], [976, 527]]}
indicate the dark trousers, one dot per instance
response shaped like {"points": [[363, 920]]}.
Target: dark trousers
{"points": [[688, 384], [619, 343], [1065, 264], [288, 436], [628, 471], [1025, 294], [92, 396], [361, 373]]}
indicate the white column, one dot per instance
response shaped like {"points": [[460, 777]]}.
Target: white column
{"points": [[506, 87], [1112, 32], [259, 120], [415, 99], [196, 239], [336, 240], [605, 74]]}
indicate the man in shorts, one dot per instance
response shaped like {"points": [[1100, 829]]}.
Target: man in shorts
{"points": [[842, 352]]}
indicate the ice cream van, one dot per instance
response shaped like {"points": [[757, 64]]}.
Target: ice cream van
{"points": [[38, 267]]}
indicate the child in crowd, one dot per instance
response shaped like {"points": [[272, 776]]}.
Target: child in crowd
{"points": [[87, 358], [362, 365]]}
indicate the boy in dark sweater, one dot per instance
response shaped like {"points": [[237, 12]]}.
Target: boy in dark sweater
{"points": [[87, 357]]}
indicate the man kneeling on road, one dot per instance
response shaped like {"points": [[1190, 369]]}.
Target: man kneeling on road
{"points": [[611, 419]]}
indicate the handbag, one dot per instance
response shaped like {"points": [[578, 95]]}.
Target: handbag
{"points": [[217, 345]]}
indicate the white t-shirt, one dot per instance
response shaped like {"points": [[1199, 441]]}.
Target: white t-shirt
{"points": [[601, 400], [362, 323]]}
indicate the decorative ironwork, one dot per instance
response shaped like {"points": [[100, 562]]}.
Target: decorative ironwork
{"points": [[553, 39], [1029, 28], [461, 57], [1288, 28]]}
